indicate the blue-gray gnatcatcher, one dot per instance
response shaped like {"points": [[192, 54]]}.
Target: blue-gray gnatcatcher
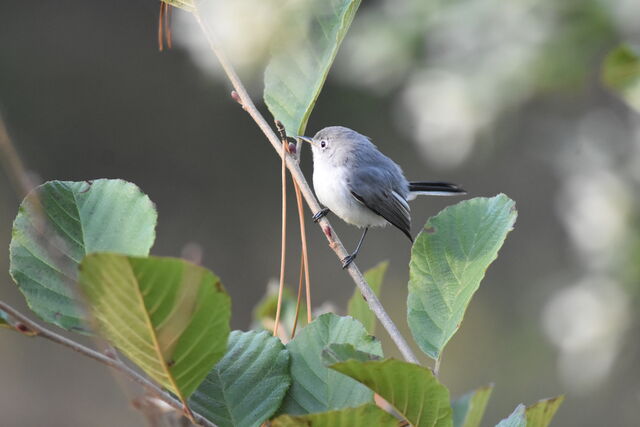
{"points": [[361, 185]]}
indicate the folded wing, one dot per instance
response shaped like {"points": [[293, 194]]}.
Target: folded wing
{"points": [[374, 188]]}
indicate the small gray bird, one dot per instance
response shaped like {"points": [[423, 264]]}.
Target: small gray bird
{"points": [[361, 185]]}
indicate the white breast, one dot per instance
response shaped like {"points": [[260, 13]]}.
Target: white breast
{"points": [[330, 185]]}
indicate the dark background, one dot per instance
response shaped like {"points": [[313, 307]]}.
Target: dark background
{"points": [[86, 94]]}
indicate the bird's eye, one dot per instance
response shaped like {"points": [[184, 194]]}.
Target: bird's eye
{"points": [[323, 144]]}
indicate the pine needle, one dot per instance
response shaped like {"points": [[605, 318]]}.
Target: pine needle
{"points": [[283, 244]]}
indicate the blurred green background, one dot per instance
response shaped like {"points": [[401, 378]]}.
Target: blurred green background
{"points": [[497, 96]]}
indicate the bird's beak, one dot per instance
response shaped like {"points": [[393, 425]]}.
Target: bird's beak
{"points": [[306, 139]]}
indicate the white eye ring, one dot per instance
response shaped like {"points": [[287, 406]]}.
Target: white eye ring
{"points": [[323, 144]]}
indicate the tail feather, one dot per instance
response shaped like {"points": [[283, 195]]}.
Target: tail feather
{"points": [[434, 189]]}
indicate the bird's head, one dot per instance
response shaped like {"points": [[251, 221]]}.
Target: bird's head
{"points": [[334, 142]]}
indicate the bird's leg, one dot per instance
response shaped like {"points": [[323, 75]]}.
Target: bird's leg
{"points": [[320, 214], [349, 258]]}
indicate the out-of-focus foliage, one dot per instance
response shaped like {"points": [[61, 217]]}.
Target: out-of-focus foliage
{"points": [[541, 413], [247, 385], [468, 410], [264, 314], [447, 64], [448, 260], [518, 418], [358, 307], [168, 316], [622, 74], [58, 224]]}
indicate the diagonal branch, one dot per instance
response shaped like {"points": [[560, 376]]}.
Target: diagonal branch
{"points": [[23, 324], [242, 96]]}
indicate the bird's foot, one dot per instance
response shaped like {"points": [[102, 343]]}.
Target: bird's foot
{"points": [[320, 214], [346, 261]]}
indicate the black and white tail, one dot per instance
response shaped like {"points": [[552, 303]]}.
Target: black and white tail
{"points": [[425, 188]]}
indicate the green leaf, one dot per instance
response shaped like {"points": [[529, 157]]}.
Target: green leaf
{"points": [[621, 73], [314, 387], [168, 316], [295, 75], [448, 260], [58, 224], [358, 307], [468, 410], [517, 418], [248, 384], [412, 389], [335, 353], [362, 416], [188, 5], [541, 413]]}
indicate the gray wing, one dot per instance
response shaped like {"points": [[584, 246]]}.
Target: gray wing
{"points": [[380, 190]]}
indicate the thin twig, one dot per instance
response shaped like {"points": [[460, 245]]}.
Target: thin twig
{"points": [[33, 328], [334, 242]]}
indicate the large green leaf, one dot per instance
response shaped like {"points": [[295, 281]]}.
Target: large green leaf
{"points": [[248, 384], [621, 72], [316, 388], [299, 66], [517, 418], [541, 413], [448, 260], [58, 224], [168, 316], [358, 307], [412, 389], [468, 410], [362, 416]]}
